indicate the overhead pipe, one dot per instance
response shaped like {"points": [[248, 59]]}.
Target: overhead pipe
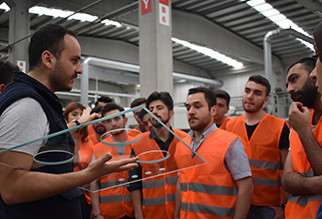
{"points": [[267, 41], [132, 68]]}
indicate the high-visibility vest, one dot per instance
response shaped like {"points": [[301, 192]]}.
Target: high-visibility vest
{"points": [[85, 150], [303, 206], [114, 202], [134, 133], [224, 124], [264, 157], [207, 191], [158, 193], [90, 130]]}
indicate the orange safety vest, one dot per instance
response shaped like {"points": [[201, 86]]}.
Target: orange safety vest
{"points": [[264, 157], [207, 191], [224, 124], [158, 193], [303, 206], [134, 133], [90, 130], [114, 202], [85, 151]]}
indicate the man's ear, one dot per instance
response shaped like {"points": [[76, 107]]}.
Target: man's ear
{"points": [[227, 110], [125, 120], [266, 100], [48, 59], [171, 113], [2, 86], [213, 110]]}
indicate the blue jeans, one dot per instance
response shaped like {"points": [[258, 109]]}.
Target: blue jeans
{"points": [[260, 212]]}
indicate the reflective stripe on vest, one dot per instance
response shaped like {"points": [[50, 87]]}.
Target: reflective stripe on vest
{"points": [[171, 197], [152, 184], [110, 198], [209, 189], [153, 201], [267, 182], [104, 185], [115, 198], [303, 200], [265, 164], [307, 173], [171, 180], [206, 209]]}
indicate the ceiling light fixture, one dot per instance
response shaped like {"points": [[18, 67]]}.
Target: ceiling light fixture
{"points": [[278, 18], [209, 52]]}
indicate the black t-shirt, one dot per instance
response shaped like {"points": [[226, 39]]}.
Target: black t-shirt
{"points": [[284, 139]]}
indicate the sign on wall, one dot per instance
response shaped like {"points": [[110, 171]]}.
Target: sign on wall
{"points": [[164, 12], [22, 65], [145, 6]]}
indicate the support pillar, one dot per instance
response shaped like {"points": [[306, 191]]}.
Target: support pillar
{"points": [[19, 29], [155, 46]]}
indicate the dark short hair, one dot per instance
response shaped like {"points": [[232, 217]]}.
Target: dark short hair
{"points": [[163, 96], [142, 114], [138, 101], [261, 80], [104, 99], [96, 109], [6, 69], [222, 94], [209, 95], [50, 37], [111, 106], [308, 63]]}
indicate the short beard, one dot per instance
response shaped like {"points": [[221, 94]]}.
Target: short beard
{"points": [[158, 124], [308, 93], [99, 132], [255, 109]]}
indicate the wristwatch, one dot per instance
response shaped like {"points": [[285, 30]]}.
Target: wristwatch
{"points": [[76, 122]]}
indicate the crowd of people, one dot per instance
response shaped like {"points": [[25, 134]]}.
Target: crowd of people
{"points": [[257, 165]]}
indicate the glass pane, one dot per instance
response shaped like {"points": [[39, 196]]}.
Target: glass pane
{"points": [[56, 151]]}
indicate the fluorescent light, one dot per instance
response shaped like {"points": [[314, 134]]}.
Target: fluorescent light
{"points": [[209, 52], [83, 17], [65, 13], [255, 2], [4, 7], [275, 16], [109, 22], [49, 11]]}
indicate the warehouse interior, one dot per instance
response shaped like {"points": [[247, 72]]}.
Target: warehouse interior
{"points": [[131, 48]]}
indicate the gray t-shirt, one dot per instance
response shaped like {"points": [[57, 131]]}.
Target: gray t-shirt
{"points": [[23, 121], [236, 159]]}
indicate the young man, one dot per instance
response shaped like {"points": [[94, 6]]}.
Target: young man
{"points": [[112, 202], [103, 100], [222, 107], [301, 121], [303, 202], [145, 118], [138, 102], [48, 191], [267, 138], [223, 186], [154, 197]]}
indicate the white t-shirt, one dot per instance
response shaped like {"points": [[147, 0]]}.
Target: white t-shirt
{"points": [[23, 121]]}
